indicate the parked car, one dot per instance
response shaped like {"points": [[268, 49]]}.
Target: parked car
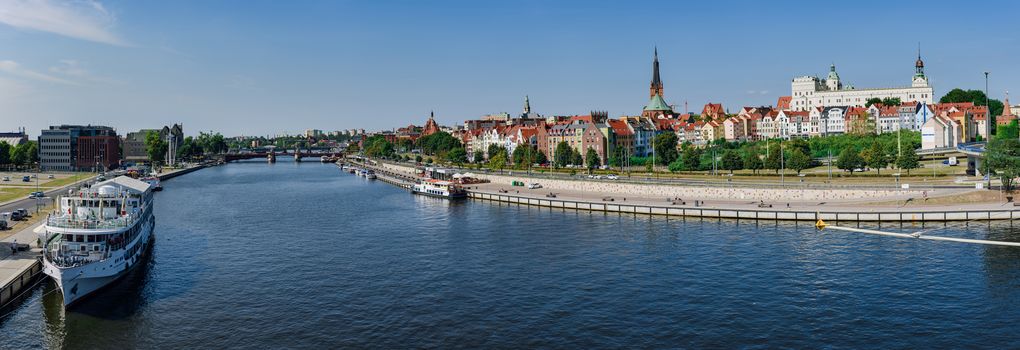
{"points": [[23, 212], [534, 185], [7, 178], [50, 176], [16, 216], [26, 178], [3, 224]]}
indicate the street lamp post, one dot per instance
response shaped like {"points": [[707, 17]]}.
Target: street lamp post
{"points": [[782, 164], [988, 134]]}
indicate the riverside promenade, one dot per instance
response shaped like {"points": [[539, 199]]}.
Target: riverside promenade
{"points": [[801, 204]]}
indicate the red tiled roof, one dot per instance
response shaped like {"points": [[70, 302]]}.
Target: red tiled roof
{"points": [[619, 127], [784, 102]]}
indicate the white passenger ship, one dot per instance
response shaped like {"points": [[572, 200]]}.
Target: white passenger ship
{"points": [[439, 188], [99, 234]]}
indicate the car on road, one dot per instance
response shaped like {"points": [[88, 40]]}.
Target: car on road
{"points": [[612, 177], [26, 178], [16, 215], [7, 178], [23, 212], [50, 176], [38, 194], [3, 224], [534, 185]]}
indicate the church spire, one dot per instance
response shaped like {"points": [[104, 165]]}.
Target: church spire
{"points": [[656, 86], [527, 105], [919, 65]]}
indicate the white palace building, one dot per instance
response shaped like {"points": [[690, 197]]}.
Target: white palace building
{"points": [[811, 92]]}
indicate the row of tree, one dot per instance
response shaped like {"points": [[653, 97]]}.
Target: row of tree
{"points": [[156, 146], [24, 154]]}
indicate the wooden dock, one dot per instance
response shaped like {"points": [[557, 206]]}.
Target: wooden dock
{"points": [[19, 272]]}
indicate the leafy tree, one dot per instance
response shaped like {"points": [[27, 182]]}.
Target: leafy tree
{"points": [[731, 161], [5, 153], [849, 160], [774, 160], [1008, 131], [440, 142], [1003, 157], [477, 157], [189, 148], [665, 148], [155, 147], [576, 158], [797, 144], [417, 158], [563, 154], [495, 149], [497, 161], [752, 161], [523, 156], [25, 154], [798, 161], [592, 159], [540, 158], [405, 145], [676, 165], [908, 159], [457, 156], [211, 143], [691, 158], [871, 101], [617, 158], [891, 101], [875, 157]]}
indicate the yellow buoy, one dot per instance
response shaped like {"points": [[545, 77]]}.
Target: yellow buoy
{"points": [[820, 224]]}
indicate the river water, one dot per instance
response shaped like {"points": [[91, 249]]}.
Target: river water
{"points": [[251, 255]]}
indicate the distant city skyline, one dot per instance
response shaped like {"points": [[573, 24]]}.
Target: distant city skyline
{"points": [[264, 67]]}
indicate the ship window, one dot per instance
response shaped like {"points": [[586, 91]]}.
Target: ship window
{"points": [[81, 248]]}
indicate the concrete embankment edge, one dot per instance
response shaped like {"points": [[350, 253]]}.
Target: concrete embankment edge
{"points": [[730, 213]]}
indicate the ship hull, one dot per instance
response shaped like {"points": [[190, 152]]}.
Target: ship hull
{"points": [[77, 283]]}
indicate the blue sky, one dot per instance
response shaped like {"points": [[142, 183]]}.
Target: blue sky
{"points": [[268, 67]]}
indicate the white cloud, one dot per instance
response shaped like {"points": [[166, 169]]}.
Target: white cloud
{"points": [[13, 68], [242, 82], [75, 70], [81, 19]]}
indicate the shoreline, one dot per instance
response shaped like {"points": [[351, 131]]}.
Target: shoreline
{"points": [[718, 202]]}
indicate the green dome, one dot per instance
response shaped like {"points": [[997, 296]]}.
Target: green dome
{"points": [[657, 104], [832, 73]]}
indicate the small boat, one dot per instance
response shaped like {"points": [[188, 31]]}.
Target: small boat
{"points": [[370, 174], [154, 182], [271, 157], [352, 170], [439, 189]]}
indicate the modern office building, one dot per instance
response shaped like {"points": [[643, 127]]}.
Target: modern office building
{"points": [[77, 147]]}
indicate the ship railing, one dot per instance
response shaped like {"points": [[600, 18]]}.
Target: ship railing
{"points": [[67, 221], [74, 259]]}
